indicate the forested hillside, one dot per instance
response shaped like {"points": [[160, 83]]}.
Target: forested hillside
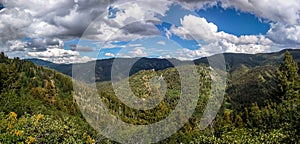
{"points": [[234, 61], [37, 105], [103, 67], [261, 104]]}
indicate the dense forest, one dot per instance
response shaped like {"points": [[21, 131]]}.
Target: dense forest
{"points": [[261, 104], [37, 106], [233, 61]]}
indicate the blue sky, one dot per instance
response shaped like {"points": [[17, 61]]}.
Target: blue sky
{"points": [[235, 22], [228, 20], [79, 31]]}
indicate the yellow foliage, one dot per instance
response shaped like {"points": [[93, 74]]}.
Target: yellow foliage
{"points": [[18, 133], [30, 140], [38, 118], [13, 114], [9, 126], [90, 140]]}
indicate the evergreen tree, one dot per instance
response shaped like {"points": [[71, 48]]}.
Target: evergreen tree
{"points": [[288, 78]]}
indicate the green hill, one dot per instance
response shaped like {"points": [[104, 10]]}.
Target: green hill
{"points": [[37, 105], [251, 112], [25, 87], [103, 67], [233, 62], [261, 103], [236, 60]]}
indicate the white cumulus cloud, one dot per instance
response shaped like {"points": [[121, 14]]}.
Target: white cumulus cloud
{"points": [[109, 55], [50, 22], [199, 29], [58, 55], [194, 27]]}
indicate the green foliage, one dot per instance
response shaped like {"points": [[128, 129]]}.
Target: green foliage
{"points": [[261, 105], [29, 92], [43, 129], [253, 86], [288, 78], [141, 87], [25, 87]]}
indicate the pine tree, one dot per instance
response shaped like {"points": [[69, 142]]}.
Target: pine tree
{"points": [[287, 78]]}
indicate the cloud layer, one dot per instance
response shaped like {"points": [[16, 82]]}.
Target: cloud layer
{"points": [[196, 28], [46, 22], [45, 25]]}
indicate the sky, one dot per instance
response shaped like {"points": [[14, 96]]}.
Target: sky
{"points": [[73, 31]]}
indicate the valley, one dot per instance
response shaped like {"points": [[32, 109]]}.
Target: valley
{"points": [[261, 104]]}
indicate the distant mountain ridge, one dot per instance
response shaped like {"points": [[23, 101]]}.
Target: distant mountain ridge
{"points": [[233, 62], [39, 101], [103, 67]]}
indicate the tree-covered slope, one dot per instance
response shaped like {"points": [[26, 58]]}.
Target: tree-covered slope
{"points": [[255, 109], [261, 103], [103, 67], [233, 62], [25, 87], [37, 106]]}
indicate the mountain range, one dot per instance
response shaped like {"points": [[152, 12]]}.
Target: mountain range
{"points": [[233, 61], [40, 104]]}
